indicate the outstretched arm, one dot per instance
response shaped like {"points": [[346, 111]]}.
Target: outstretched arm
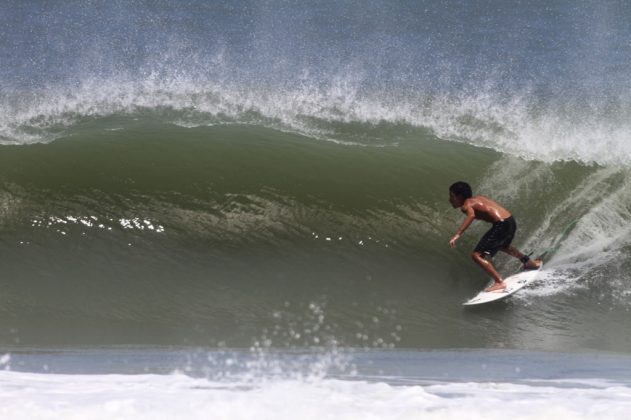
{"points": [[467, 222]]}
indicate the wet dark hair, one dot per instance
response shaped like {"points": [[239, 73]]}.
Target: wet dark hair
{"points": [[461, 189]]}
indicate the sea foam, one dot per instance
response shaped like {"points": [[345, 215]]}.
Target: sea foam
{"points": [[51, 396]]}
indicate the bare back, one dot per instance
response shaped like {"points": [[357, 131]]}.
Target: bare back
{"points": [[485, 209]]}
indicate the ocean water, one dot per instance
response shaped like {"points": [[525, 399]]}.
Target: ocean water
{"points": [[169, 382], [211, 208]]}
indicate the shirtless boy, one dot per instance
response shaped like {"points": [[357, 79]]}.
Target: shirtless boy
{"points": [[498, 238]]}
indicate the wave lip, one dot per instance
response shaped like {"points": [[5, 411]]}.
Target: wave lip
{"points": [[548, 92], [517, 124]]}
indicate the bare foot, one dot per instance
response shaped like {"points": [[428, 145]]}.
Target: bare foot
{"points": [[532, 265], [496, 287]]}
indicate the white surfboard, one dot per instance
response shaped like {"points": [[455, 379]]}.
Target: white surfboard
{"points": [[513, 284]]}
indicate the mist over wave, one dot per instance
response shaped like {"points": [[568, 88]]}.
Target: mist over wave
{"points": [[548, 91]]}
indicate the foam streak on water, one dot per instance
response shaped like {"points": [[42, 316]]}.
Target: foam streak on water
{"points": [[54, 396], [127, 384]]}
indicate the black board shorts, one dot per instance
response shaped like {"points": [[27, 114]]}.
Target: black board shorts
{"points": [[499, 236]]}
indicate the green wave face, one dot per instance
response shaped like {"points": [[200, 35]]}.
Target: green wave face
{"points": [[156, 233]]}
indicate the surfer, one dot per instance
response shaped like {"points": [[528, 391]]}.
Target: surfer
{"points": [[498, 238]]}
